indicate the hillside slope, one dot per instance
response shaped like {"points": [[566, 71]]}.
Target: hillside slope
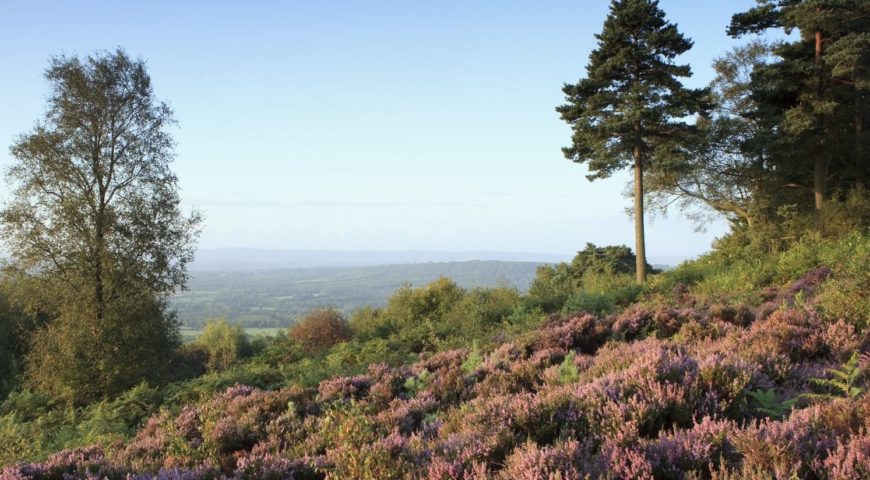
{"points": [[675, 386]]}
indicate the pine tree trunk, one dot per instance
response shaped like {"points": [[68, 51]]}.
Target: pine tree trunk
{"points": [[639, 240], [819, 173]]}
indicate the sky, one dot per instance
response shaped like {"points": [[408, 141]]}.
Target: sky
{"points": [[380, 125]]}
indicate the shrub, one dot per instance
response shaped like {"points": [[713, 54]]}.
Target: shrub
{"points": [[584, 333], [478, 312], [844, 296], [552, 286], [12, 345], [849, 461], [568, 371], [531, 462], [739, 315], [79, 361], [320, 329], [368, 323], [473, 361], [604, 273], [585, 302], [225, 344]]}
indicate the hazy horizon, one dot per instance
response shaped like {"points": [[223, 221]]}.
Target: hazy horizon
{"points": [[248, 259]]}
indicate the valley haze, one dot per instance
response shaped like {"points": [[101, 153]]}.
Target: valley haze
{"points": [[246, 259]]}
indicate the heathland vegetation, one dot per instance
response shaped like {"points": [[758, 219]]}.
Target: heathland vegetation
{"points": [[749, 362]]}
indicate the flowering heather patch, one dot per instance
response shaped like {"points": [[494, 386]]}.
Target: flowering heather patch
{"points": [[87, 462], [640, 321], [386, 382], [532, 462], [343, 388], [739, 315], [444, 376], [849, 461], [654, 392], [807, 284], [803, 288], [583, 333], [408, 416]]}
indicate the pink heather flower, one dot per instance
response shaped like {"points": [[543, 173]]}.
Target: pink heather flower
{"points": [[531, 462], [343, 388], [850, 460]]}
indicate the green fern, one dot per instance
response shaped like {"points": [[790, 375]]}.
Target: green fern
{"points": [[844, 381], [416, 384], [473, 361], [568, 371], [767, 404]]}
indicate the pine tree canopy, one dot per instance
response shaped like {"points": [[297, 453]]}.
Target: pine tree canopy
{"points": [[632, 96]]}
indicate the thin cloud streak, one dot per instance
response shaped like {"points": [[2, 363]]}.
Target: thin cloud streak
{"points": [[269, 204]]}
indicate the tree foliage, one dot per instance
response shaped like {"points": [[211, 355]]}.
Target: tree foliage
{"points": [[320, 329], [225, 344], [812, 96], [94, 226], [630, 108], [728, 169], [554, 285]]}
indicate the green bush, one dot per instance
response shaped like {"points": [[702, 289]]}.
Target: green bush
{"points": [[80, 361], [595, 303], [552, 286], [568, 371], [525, 316], [368, 323], [845, 296], [12, 345], [225, 344], [594, 270], [479, 312]]}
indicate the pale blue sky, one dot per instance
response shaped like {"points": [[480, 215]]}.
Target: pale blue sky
{"points": [[367, 125]]}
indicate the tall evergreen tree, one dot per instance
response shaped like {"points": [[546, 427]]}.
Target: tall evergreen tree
{"points": [[814, 96], [629, 109]]}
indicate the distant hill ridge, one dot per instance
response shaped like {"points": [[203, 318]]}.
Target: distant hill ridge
{"points": [[236, 259], [248, 259]]}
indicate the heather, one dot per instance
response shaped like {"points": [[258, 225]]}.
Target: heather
{"points": [[686, 382]]}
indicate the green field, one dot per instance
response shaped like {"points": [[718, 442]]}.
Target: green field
{"points": [[190, 334]]}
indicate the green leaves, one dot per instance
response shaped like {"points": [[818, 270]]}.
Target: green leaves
{"points": [[94, 226], [631, 96], [474, 360], [568, 371], [766, 403], [845, 381]]}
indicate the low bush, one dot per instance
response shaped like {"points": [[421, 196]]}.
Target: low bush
{"points": [[321, 329], [224, 344]]}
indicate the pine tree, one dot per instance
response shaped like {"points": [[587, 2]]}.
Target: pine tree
{"points": [[629, 108], [816, 92]]}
